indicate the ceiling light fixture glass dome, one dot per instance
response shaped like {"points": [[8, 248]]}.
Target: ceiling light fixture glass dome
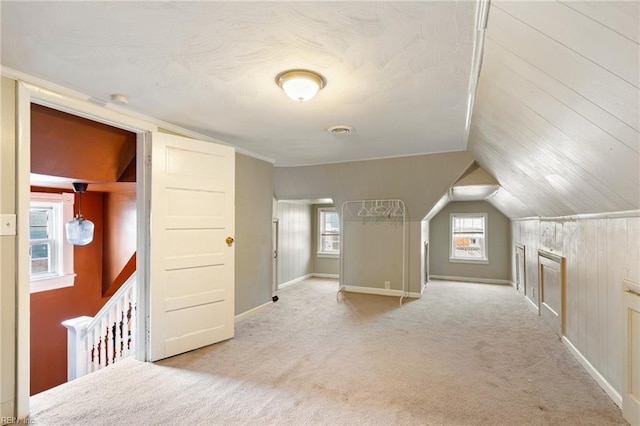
{"points": [[300, 85], [79, 230]]}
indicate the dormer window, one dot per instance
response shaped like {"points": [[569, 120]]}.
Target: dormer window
{"points": [[468, 238]]}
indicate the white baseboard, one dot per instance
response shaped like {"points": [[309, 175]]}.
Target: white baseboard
{"points": [[304, 277], [253, 312], [373, 290], [470, 280], [606, 386], [294, 281], [381, 291], [320, 275], [533, 305]]}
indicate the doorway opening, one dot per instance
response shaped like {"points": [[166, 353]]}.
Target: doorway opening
{"points": [[194, 193], [32, 102], [307, 241], [66, 148]]}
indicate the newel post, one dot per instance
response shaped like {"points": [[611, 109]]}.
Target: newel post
{"points": [[76, 346]]}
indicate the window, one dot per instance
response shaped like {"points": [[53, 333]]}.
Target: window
{"points": [[51, 256], [42, 240], [328, 232], [468, 237]]}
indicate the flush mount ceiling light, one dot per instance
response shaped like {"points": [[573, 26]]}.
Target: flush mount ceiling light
{"points": [[79, 230], [300, 85]]}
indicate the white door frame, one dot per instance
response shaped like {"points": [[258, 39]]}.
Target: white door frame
{"points": [[275, 224], [27, 94], [630, 393], [521, 269]]}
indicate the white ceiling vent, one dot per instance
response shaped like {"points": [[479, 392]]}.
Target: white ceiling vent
{"points": [[340, 130]]}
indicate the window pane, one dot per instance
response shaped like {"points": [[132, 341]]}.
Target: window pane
{"points": [[469, 247], [331, 243], [39, 266], [39, 224], [40, 251], [329, 235], [468, 237], [39, 258], [331, 223]]}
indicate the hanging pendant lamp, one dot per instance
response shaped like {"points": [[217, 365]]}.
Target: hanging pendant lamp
{"points": [[79, 230]]}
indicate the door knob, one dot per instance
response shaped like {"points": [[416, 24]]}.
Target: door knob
{"points": [[229, 240]]}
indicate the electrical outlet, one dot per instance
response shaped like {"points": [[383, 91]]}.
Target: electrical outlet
{"points": [[387, 285]]}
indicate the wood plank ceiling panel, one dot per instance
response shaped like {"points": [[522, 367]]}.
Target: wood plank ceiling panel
{"points": [[592, 80], [586, 37], [619, 16], [554, 134], [563, 94], [556, 112]]}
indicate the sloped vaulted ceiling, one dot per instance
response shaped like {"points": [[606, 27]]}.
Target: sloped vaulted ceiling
{"points": [[556, 117]]}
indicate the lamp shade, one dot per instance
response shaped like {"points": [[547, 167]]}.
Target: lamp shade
{"points": [[79, 231], [300, 85]]}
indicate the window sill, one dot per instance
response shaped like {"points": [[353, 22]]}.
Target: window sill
{"points": [[328, 255], [46, 284], [473, 261]]}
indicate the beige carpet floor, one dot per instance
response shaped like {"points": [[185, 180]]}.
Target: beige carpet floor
{"points": [[464, 354]]}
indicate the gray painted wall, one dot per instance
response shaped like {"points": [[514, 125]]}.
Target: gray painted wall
{"points": [[420, 181], [321, 265], [294, 241], [366, 240], [7, 250], [498, 237], [253, 267]]}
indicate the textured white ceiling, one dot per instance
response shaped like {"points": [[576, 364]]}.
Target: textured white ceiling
{"points": [[398, 72]]}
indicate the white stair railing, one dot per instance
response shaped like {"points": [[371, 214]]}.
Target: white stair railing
{"points": [[94, 343]]}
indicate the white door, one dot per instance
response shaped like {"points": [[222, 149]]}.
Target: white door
{"points": [[631, 371], [191, 257]]}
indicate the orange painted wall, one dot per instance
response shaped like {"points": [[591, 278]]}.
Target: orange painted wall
{"points": [[50, 308], [119, 235]]}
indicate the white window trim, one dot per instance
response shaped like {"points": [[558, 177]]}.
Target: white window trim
{"points": [[328, 255], [453, 259], [66, 275], [319, 252]]}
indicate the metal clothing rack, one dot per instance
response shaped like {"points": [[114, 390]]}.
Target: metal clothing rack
{"points": [[371, 212]]}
